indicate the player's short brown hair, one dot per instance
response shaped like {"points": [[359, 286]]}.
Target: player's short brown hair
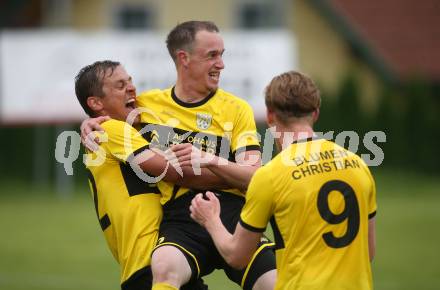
{"points": [[183, 35], [292, 94], [89, 82]]}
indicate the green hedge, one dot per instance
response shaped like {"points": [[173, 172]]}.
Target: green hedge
{"points": [[408, 113]]}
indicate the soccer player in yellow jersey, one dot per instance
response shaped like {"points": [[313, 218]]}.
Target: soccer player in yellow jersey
{"points": [[198, 113], [128, 208], [319, 198]]}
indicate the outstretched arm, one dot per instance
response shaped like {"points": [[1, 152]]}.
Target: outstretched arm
{"points": [[236, 174], [155, 163]]}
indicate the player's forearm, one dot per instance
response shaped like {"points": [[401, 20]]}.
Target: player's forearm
{"points": [[235, 175], [225, 244], [154, 163], [206, 180]]}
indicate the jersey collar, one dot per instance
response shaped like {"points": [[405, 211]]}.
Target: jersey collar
{"points": [[190, 105], [306, 139]]}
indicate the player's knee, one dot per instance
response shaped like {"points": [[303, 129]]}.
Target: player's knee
{"points": [[168, 265], [163, 272]]}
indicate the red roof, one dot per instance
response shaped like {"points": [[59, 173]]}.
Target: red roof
{"points": [[404, 33]]}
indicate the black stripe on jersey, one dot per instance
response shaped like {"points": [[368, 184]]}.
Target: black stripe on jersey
{"points": [[251, 228], [246, 148], [279, 242], [104, 222], [163, 137], [134, 184], [175, 190], [136, 152], [306, 139], [190, 105], [372, 215]]}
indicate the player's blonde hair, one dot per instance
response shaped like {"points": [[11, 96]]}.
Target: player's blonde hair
{"points": [[292, 94]]}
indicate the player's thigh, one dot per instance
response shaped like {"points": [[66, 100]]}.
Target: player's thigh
{"points": [[260, 273], [266, 281], [169, 263]]}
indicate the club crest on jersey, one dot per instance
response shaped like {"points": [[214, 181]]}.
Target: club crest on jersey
{"points": [[203, 121]]}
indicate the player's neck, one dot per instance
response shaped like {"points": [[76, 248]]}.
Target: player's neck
{"points": [[188, 93], [294, 132]]}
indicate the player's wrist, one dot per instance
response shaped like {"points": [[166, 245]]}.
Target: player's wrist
{"points": [[213, 224], [212, 160]]}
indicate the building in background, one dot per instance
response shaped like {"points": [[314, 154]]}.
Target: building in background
{"points": [[379, 55], [383, 41]]}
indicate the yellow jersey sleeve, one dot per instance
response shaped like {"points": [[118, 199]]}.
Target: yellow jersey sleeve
{"points": [[244, 131], [259, 204], [123, 141]]}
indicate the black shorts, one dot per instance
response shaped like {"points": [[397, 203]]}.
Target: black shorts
{"points": [[143, 279], [179, 230]]}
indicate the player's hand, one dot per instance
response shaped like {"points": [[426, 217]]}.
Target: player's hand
{"points": [[205, 211], [88, 129], [189, 155]]}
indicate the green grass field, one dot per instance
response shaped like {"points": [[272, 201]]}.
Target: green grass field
{"points": [[54, 243]]}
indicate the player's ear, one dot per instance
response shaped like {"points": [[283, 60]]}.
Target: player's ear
{"points": [[95, 103], [270, 117], [315, 115], [182, 57]]}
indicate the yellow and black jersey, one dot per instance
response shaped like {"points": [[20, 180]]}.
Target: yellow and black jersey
{"points": [[222, 124], [128, 209], [319, 198]]}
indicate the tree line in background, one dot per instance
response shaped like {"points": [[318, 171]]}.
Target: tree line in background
{"points": [[409, 115]]}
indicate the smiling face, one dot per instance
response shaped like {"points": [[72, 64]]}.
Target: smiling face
{"points": [[119, 95], [205, 61]]}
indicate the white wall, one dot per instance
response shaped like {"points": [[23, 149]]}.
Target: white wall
{"points": [[37, 68]]}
